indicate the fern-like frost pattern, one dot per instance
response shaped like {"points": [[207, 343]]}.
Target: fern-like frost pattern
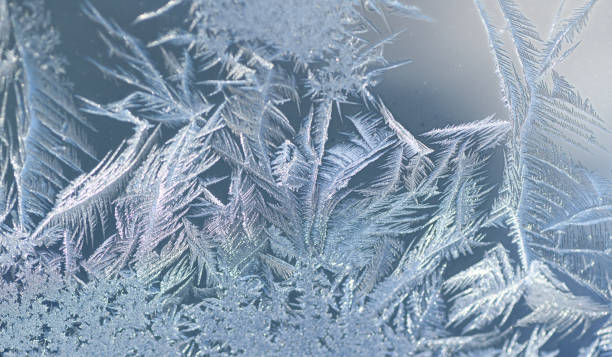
{"points": [[265, 201]]}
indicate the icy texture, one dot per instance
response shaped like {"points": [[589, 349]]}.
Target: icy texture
{"points": [[268, 203]]}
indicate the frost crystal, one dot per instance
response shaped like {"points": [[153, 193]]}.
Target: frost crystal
{"points": [[264, 200]]}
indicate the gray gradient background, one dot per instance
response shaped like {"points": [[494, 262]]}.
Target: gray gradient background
{"points": [[452, 79]]}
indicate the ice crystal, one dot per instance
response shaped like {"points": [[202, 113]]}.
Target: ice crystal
{"points": [[267, 202]]}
